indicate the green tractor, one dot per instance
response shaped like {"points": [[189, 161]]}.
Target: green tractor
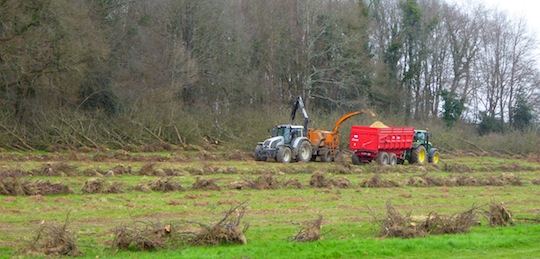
{"points": [[421, 150]]}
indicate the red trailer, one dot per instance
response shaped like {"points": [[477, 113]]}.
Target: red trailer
{"points": [[385, 145]]}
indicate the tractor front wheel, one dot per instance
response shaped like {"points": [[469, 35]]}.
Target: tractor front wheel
{"points": [[258, 154], [284, 155], [434, 157]]}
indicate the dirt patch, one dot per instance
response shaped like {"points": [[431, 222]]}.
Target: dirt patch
{"points": [[227, 202], [288, 200], [176, 202], [238, 155], [533, 158]]}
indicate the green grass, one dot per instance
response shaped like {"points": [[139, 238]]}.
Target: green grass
{"points": [[484, 242], [272, 214]]}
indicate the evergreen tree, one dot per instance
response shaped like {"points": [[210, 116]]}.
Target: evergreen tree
{"points": [[522, 114], [453, 107]]}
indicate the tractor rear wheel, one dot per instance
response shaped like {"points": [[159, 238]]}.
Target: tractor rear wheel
{"points": [[393, 159], [284, 154], [434, 157], [382, 158], [418, 156], [326, 155], [304, 152]]}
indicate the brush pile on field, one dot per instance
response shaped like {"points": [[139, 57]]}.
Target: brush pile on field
{"points": [[97, 185], [499, 215], [165, 185], [396, 224], [226, 231], [15, 173], [54, 240], [376, 182], [205, 184], [56, 169], [142, 235], [310, 231], [14, 186], [266, 181], [437, 224], [319, 180]]}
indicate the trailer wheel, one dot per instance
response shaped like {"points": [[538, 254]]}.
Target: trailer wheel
{"points": [[304, 152], [393, 159], [382, 158], [337, 155], [418, 155], [284, 155], [326, 155], [258, 154], [356, 159]]}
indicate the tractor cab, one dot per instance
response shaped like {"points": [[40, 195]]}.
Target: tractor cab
{"points": [[421, 138], [288, 132]]}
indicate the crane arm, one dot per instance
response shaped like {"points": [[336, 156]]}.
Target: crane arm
{"points": [[299, 104], [347, 116]]}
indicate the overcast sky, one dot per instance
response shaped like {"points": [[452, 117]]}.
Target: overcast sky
{"points": [[529, 9]]}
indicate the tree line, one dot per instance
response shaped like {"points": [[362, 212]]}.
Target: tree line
{"points": [[121, 72]]}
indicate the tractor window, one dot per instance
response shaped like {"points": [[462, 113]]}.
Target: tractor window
{"points": [[419, 137], [275, 131], [296, 133], [279, 131]]}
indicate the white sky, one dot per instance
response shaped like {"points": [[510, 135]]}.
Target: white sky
{"points": [[529, 9]]}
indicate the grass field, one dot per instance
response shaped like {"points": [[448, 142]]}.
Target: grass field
{"points": [[278, 197]]}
